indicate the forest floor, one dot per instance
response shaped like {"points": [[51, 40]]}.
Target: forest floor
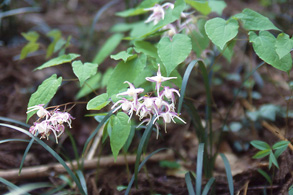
{"points": [[18, 81]]}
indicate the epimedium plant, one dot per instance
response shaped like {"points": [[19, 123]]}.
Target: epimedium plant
{"points": [[159, 47]]}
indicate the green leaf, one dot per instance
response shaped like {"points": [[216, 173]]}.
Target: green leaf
{"points": [[122, 27], [31, 36], [201, 6], [123, 55], [84, 71], [254, 21], [228, 51], [106, 76], [228, 173], [280, 144], [55, 35], [264, 46], [273, 159], [290, 192], [169, 164], [29, 48], [120, 133], [283, 45], [128, 71], [173, 52], [221, 31], [199, 39], [108, 47], [146, 48], [44, 93], [279, 151], [58, 60], [260, 145], [91, 84], [98, 102], [265, 175], [262, 154], [139, 9], [217, 6]]}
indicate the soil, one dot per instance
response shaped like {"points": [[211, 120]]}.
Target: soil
{"points": [[18, 81]]}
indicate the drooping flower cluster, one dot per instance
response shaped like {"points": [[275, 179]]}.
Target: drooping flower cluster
{"points": [[161, 106], [49, 121], [159, 14]]}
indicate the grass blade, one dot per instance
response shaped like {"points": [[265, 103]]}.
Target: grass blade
{"points": [[74, 147], [208, 104], [82, 180], [27, 188], [14, 121], [208, 186], [185, 80], [24, 154], [193, 113], [228, 173], [189, 184], [13, 140], [9, 184], [51, 151], [199, 166], [265, 175], [141, 146], [140, 166]]}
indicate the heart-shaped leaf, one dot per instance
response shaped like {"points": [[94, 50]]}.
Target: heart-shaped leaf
{"points": [[173, 52], [264, 46], [119, 133], [84, 71], [283, 45], [221, 31]]}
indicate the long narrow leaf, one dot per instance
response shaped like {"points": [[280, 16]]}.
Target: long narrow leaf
{"points": [[14, 121], [189, 184], [208, 104], [141, 146], [9, 184], [228, 173], [74, 147], [51, 151], [185, 80], [140, 166], [13, 140], [208, 186], [82, 180], [24, 154], [199, 165], [27, 188]]}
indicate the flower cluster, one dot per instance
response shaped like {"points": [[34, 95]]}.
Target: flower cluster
{"points": [[161, 106], [53, 121], [159, 14]]}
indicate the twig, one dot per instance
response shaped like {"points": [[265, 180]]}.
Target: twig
{"points": [[56, 168], [95, 144]]}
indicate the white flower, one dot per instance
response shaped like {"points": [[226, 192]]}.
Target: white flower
{"points": [[158, 12], [41, 111], [159, 79]]}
